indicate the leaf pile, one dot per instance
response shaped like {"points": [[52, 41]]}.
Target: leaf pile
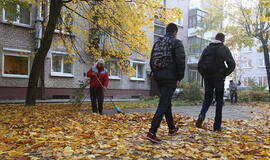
{"points": [[53, 132]]}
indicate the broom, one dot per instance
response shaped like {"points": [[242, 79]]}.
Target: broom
{"points": [[115, 106]]}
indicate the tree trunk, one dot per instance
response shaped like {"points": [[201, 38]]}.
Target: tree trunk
{"points": [[55, 10], [266, 61]]}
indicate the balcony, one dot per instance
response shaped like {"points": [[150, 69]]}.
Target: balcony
{"points": [[207, 36], [192, 61]]}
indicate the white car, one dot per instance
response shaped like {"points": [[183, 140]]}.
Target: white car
{"points": [[227, 93], [177, 92]]}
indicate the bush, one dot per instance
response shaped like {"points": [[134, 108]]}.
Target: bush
{"points": [[255, 93], [79, 94], [252, 95], [254, 86], [191, 91]]}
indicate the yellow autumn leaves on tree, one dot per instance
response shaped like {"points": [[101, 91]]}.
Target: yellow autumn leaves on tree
{"points": [[107, 29], [266, 17], [113, 29]]}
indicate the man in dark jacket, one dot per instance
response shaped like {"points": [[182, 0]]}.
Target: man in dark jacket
{"points": [[168, 69], [213, 69]]}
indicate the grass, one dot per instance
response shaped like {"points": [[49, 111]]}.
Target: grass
{"points": [[151, 103]]}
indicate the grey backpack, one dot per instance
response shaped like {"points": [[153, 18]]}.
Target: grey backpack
{"points": [[161, 55]]}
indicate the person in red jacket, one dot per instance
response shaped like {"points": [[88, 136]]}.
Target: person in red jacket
{"points": [[99, 81]]}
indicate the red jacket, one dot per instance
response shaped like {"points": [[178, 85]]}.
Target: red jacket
{"points": [[102, 75]]}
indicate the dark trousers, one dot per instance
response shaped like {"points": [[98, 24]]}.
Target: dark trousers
{"points": [[234, 96], [164, 107], [97, 94], [212, 84]]}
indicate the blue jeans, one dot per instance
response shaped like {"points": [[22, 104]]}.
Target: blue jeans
{"points": [[164, 107], [212, 84]]}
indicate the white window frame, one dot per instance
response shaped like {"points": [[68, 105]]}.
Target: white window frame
{"points": [[180, 24], [260, 83], [61, 74], [261, 66], [109, 69], [14, 52], [136, 74], [246, 66], [61, 31], [246, 50], [17, 22]]}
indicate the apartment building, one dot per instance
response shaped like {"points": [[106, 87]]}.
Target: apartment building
{"points": [[196, 42], [160, 30], [19, 41], [251, 66]]}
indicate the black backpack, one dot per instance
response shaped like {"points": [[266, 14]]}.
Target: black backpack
{"points": [[210, 62], [161, 55]]}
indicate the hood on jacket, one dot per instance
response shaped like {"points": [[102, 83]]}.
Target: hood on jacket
{"points": [[100, 69], [215, 42]]}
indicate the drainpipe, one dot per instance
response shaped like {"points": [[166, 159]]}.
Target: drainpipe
{"points": [[39, 28]]}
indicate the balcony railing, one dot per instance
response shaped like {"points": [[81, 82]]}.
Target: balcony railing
{"points": [[192, 59]]}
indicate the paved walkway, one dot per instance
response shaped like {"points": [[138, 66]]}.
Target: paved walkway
{"points": [[64, 101], [229, 111]]}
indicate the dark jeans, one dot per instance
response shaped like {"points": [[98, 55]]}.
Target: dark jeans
{"points": [[97, 94], [164, 107], [234, 96], [212, 84]]}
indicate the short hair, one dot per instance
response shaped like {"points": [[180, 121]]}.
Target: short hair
{"points": [[171, 28], [220, 36]]}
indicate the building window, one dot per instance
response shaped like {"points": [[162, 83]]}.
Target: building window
{"points": [[61, 65], [265, 81], [193, 75], [196, 45], [159, 30], [246, 79], [246, 50], [158, 22], [262, 81], [23, 19], [196, 18], [246, 64], [15, 65], [139, 70], [261, 62], [64, 23], [180, 22], [156, 38], [113, 69]]}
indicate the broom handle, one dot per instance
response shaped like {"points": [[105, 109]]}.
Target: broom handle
{"points": [[104, 87]]}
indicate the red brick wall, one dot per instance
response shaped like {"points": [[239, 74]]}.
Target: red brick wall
{"points": [[20, 92]]}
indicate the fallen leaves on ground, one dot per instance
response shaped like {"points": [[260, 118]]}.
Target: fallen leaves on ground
{"points": [[61, 132]]}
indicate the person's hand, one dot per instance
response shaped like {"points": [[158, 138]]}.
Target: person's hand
{"points": [[105, 88], [178, 83], [94, 74]]}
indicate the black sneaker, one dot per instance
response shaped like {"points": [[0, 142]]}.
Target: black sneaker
{"points": [[219, 129], [153, 138], [173, 132], [199, 122]]}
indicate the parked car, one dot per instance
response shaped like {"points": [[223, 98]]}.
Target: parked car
{"points": [[177, 93], [227, 93]]}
